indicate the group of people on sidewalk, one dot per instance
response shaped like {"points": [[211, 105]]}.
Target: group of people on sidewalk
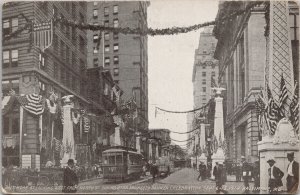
{"points": [[275, 176]]}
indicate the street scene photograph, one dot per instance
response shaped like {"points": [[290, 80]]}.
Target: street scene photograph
{"points": [[150, 97]]}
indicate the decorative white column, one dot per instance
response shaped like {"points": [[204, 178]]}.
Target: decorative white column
{"points": [[138, 144], [68, 134], [150, 150], [202, 136], [117, 120], [156, 153], [219, 156]]}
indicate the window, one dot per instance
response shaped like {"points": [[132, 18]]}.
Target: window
{"points": [[42, 87], [6, 59], [10, 25], [10, 58], [116, 47], [116, 35], [106, 11], [96, 60], [203, 67], [241, 52], [107, 61], [106, 23], [116, 71], [106, 48], [203, 82], [42, 61], [55, 43], [14, 24], [106, 36], [116, 23], [116, 9], [96, 38], [96, 49], [95, 13], [8, 85], [204, 89], [213, 74], [204, 74], [55, 70], [116, 59], [293, 23]]}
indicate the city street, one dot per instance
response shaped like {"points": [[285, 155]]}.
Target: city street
{"points": [[181, 181]]}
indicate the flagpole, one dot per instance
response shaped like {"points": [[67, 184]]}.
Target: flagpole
{"points": [[21, 133]]}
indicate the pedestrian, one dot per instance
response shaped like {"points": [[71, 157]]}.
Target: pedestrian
{"points": [[292, 179], [70, 180], [154, 171], [220, 177], [215, 170], [202, 171], [256, 176], [275, 176], [144, 170], [238, 171], [246, 174]]}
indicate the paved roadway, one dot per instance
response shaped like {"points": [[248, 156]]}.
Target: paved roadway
{"points": [[182, 181]]}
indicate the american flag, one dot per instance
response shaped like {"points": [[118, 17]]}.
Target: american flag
{"points": [[213, 83], [260, 109], [43, 35], [33, 103], [294, 109], [282, 98], [272, 112]]}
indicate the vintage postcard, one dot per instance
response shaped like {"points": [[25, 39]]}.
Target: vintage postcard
{"points": [[158, 96]]}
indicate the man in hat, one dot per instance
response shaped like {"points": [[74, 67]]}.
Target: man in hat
{"points": [[246, 173], [70, 180], [256, 176], [275, 176], [202, 171], [220, 177], [292, 179]]}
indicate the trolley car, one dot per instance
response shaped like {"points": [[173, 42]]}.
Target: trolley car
{"points": [[121, 163]]}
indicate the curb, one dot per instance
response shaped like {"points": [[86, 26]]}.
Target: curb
{"points": [[86, 180]]}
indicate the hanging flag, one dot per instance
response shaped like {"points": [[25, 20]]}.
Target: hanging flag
{"points": [[33, 103], [86, 123], [75, 117], [294, 109], [260, 109], [99, 40], [282, 98], [272, 112], [43, 35], [213, 83]]}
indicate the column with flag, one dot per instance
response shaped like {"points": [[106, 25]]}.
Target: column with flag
{"points": [[260, 110]]}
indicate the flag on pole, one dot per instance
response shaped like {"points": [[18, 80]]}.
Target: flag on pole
{"points": [[260, 109], [43, 35], [282, 98], [272, 112], [294, 109], [213, 83]]}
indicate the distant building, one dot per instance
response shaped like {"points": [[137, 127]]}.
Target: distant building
{"points": [[160, 141], [125, 56]]}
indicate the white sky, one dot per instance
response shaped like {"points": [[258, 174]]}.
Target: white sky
{"points": [[171, 58]]}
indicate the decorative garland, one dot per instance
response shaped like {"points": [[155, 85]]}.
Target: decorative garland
{"points": [[183, 140], [182, 112], [139, 31]]}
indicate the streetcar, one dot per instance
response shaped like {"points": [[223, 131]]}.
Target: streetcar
{"points": [[121, 163]]}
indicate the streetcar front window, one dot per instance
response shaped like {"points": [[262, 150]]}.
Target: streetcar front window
{"points": [[119, 159], [112, 160], [105, 160]]}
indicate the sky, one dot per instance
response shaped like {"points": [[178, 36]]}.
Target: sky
{"points": [[171, 58]]}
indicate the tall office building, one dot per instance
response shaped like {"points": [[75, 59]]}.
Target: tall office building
{"points": [[205, 67], [124, 55]]}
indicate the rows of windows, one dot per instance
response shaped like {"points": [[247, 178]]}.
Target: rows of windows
{"points": [[106, 11], [106, 48]]}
